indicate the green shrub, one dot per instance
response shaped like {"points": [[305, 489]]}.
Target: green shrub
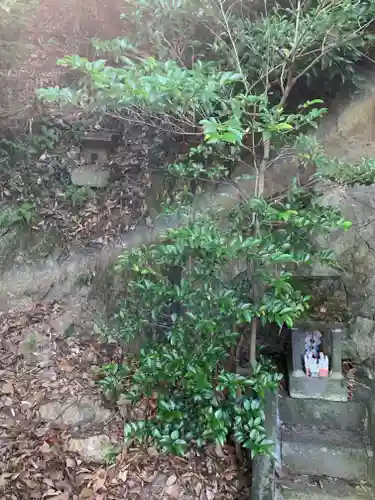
{"points": [[230, 91]]}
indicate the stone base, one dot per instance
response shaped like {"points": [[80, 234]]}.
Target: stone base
{"points": [[90, 176], [326, 388]]}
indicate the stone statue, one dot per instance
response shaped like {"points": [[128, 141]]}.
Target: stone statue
{"points": [[312, 352]]}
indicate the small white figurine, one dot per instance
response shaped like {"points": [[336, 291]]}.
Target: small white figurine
{"points": [[314, 367], [307, 363], [312, 342], [323, 365]]}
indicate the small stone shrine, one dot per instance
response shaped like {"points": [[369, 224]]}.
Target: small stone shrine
{"points": [[93, 171], [316, 371]]}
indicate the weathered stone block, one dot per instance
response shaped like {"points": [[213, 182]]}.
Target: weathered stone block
{"points": [[320, 451], [350, 416], [328, 388], [90, 176]]}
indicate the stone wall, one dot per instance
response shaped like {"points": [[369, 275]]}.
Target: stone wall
{"points": [[349, 134], [36, 265], [355, 253]]}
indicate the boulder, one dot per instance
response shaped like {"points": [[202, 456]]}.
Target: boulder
{"points": [[75, 413]]}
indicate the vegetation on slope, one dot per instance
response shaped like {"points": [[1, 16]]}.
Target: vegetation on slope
{"points": [[225, 78]]}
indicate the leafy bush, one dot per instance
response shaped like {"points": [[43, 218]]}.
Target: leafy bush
{"points": [[178, 293], [77, 195], [23, 214], [228, 90], [112, 378]]}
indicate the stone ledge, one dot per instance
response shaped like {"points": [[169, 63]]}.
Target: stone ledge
{"points": [[349, 415], [328, 389], [326, 452], [305, 487]]}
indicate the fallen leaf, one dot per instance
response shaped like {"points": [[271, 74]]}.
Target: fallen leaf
{"points": [[171, 480], [210, 495], [198, 488], [229, 475], [45, 448], [100, 479], [219, 451], [3, 479], [86, 493], [32, 485], [70, 463], [66, 367], [51, 493], [136, 490], [48, 482], [174, 491], [123, 475], [149, 478], [59, 496], [152, 452], [7, 388]]}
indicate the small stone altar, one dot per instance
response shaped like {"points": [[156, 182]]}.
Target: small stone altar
{"points": [[93, 171], [316, 371]]}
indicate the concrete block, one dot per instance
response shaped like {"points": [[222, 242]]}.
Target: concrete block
{"points": [[328, 389], [328, 452], [306, 488], [264, 466], [330, 414]]}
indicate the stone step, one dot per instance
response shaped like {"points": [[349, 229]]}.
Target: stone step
{"points": [[324, 488], [351, 416], [327, 452]]}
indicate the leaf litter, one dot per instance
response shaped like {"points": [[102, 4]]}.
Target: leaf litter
{"points": [[38, 366], [35, 461]]}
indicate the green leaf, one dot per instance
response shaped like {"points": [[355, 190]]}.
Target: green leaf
{"points": [[209, 126], [253, 434], [255, 404], [230, 78], [247, 404], [175, 435], [283, 126], [248, 315], [267, 135], [346, 225], [231, 137]]}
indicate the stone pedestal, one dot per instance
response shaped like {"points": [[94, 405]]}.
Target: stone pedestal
{"points": [[331, 388], [90, 176], [327, 388]]}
